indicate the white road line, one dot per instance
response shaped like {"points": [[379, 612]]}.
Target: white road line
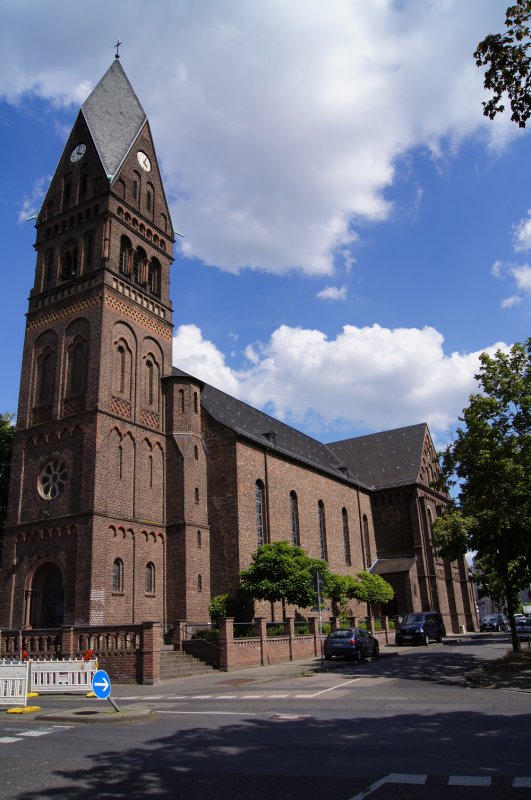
{"points": [[201, 697], [33, 733], [251, 696], [522, 783], [213, 713], [324, 691], [9, 739], [277, 696], [226, 697], [394, 777], [469, 780]]}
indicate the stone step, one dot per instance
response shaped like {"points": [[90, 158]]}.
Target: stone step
{"points": [[176, 664]]}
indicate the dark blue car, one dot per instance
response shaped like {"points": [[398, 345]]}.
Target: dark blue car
{"points": [[354, 643]]}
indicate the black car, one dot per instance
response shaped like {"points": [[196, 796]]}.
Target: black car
{"points": [[420, 627], [494, 622], [354, 643]]}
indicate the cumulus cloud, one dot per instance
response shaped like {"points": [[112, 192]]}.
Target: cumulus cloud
{"points": [[519, 275], [279, 123], [522, 234], [366, 379], [333, 293], [32, 203]]}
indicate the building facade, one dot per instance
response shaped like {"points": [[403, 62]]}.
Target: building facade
{"points": [[138, 491]]}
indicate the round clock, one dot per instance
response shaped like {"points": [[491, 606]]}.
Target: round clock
{"points": [[143, 160], [78, 152]]}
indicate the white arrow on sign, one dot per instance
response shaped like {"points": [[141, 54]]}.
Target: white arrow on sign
{"points": [[104, 684]]}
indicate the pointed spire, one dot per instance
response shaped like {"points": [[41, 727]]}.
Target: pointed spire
{"points": [[114, 116]]}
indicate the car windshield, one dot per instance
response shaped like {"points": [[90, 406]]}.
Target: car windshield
{"points": [[342, 633], [410, 619]]}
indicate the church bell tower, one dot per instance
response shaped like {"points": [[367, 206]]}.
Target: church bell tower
{"points": [[85, 539]]}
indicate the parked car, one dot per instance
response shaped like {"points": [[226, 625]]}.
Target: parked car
{"points": [[420, 627], [354, 643], [519, 619], [523, 629], [494, 622]]}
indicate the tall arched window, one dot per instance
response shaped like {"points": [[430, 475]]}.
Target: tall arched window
{"points": [[322, 531], [366, 542], [199, 583], [118, 575], [150, 370], [181, 397], [45, 378], [88, 250], [294, 515], [139, 265], [77, 367], [69, 262], [346, 537], [154, 277], [48, 267], [136, 187], [150, 578], [125, 256], [150, 198], [261, 533]]}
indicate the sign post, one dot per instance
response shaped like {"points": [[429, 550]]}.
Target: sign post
{"points": [[318, 583], [101, 686]]}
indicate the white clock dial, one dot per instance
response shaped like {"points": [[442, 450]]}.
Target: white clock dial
{"points": [[143, 160], [78, 152]]}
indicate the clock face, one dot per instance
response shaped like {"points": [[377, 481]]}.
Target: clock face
{"points": [[143, 160], [78, 152]]}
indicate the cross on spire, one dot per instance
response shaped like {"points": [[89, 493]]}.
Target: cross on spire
{"points": [[117, 45]]}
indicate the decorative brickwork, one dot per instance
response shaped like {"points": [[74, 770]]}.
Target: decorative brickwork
{"points": [[149, 418], [73, 310], [121, 407], [137, 317]]}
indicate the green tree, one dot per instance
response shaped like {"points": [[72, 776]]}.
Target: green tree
{"points": [[7, 431], [508, 61], [281, 571], [489, 466], [366, 588]]}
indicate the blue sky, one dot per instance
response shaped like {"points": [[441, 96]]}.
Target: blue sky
{"points": [[355, 232]]}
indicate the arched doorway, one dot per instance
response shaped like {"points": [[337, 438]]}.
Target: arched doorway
{"points": [[47, 597]]}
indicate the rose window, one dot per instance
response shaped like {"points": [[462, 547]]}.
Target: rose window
{"points": [[52, 479]]}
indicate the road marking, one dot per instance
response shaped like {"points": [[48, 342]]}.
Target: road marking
{"points": [[469, 780], [213, 713], [394, 777], [251, 696], [200, 697], [33, 733], [324, 691], [9, 739], [522, 783]]}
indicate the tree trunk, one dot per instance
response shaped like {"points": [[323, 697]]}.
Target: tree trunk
{"points": [[511, 610]]}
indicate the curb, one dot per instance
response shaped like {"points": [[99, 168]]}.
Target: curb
{"points": [[82, 715]]}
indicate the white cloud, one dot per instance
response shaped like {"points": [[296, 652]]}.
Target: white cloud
{"points": [[31, 204], [365, 379], [522, 276], [279, 124], [511, 301], [333, 293], [522, 234], [519, 274]]}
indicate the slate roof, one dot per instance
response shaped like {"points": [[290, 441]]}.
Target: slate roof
{"points": [[376, 461], [382, 460], [114, 116], [264, 430]]}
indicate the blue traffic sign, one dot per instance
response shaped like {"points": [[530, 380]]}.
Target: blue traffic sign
{"points": [[101, 684]]}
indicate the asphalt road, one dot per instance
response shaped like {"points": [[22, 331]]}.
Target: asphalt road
{"points": [[403, 726]]}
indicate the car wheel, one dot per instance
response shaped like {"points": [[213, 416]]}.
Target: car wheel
{"points": [[426, 640], [358, 655], [376, 651]]}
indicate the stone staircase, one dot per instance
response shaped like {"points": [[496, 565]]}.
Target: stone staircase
{"points": [[176, 664]]}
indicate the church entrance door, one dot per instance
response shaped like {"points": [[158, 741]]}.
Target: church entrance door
{"points": [[47, 597]]}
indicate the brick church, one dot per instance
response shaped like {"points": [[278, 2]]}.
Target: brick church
{"points": [[139, 491]]}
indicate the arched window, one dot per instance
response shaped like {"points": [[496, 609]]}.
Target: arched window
{"points": [[48, 267], [88, 250], [154, 277], [196, 403], [69, 261], [181, 397], [199, 583], [322, 531], [196, 494], [366, 542], [45, 378], [122, 370], [196, 452], [118, 575], [294, 513], [150, 578], [150, 198], [163, 222], [67, 190], [125, 256], [260, 513], [136, 187], [346, 537], [149, 382], [199, 543], [83, 183], [120, 188], [77, 367], [139, 262]]}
